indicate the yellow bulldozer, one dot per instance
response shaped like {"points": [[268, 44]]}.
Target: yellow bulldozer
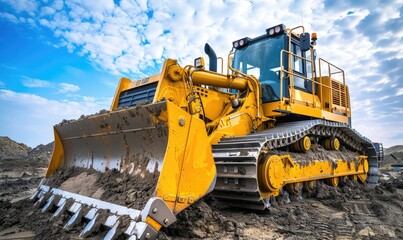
{"points": [[275, 122]]}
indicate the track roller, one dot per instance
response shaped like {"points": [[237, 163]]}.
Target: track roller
{"points": [[332, 181], [309, 186], [295, 189], [331, 143], [302, 145]]}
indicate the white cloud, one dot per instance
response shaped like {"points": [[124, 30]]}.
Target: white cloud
{"points": [[28, 6], [8, 67], [68, 88], [43, 114], [34, 83], [9, 17], [132, 38], [89, 99], [47, 11]]}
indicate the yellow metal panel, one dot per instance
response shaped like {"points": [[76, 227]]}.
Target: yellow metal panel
{"points": [[188, 169], [334, 117], [57, 157], [123, 85], [277, 171], [307, 99], [214, 102]]}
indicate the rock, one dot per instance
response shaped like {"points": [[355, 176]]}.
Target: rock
{"points": [[229, 226], [240, 225], [198, 233], [384, 230], [367, 231], [378, 190], [211, 228]]}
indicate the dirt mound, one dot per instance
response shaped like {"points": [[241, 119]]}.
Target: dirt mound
{"points": [[131, 190], [351, 211], [393, 155], [394, 149], [42, 154], [10, 149]]}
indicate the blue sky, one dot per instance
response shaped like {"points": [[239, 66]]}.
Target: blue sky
{"points": [[61, 59]]}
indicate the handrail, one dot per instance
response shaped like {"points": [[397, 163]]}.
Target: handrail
{"points": [[329, 65], [290, 72]]}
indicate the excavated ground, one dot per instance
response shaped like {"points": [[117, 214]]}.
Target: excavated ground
{"points": [[352, 211], [112, 186]]}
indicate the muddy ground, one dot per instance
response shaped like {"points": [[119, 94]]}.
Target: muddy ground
{"points": [[351, 211]]}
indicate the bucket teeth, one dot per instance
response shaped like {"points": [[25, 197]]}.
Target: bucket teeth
{"points": [[51, 203], [120, 220], [48, 204], [92, 226], [74, 219], [34, 196], [112, 233], [43, 197], [63, 205]]}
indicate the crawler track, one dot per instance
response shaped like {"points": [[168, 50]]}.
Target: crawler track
{"points": [[237, 158]]}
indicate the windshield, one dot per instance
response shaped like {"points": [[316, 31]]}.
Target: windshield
{"points": [[262, 59]]}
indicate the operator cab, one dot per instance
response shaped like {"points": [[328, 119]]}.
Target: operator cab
{"points": [[264, 57]]}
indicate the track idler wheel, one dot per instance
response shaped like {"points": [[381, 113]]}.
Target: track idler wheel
{"points": [[271, 174], [302, 145], [331, 143]]}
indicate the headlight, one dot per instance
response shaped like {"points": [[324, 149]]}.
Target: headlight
{"points": [[276, 30], [241, 43]]}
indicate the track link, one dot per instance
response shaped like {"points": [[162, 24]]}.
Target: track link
{"points": [[237, 158]]}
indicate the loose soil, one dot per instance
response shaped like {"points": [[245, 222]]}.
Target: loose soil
{"points": [[350, 211], [123, 188]]}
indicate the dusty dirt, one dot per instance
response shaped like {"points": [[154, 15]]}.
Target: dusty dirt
{"points": [[317, 152], [10, 149], [132, 190], [393, 155], [19, 178], [351, 211]]}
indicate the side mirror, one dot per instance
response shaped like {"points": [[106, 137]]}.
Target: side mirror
{"points": [[304, 42]]}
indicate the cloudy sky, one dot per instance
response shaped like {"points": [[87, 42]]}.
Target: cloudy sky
{"points": [[60, 59]]}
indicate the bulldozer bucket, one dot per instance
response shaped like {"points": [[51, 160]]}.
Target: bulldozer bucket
{"points": [[159, 140]]}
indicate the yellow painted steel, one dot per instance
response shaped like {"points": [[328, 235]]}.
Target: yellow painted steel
{"points": [[57, 157], [154, 224], [302, 145], [331, 144], [188, 167], [275, 172]]}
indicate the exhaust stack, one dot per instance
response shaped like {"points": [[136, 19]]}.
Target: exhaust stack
{"points": [[212, 57]]}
